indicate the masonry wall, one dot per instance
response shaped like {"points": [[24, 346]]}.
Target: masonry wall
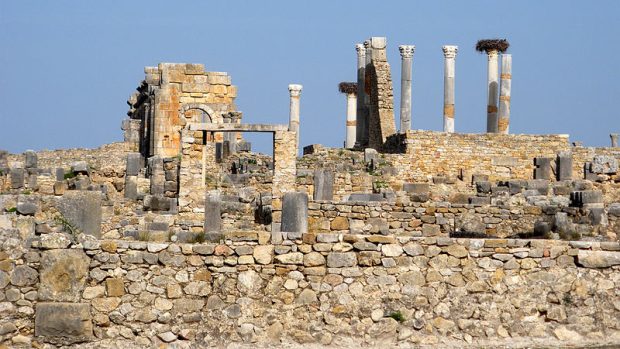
{"points": [[354, 291], [428, 153]]}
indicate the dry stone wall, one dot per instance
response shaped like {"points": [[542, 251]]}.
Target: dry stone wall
{"points": [[354, 290]]}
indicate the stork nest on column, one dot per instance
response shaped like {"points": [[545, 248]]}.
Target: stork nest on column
{"points": [[347, 87], [499, 45]]}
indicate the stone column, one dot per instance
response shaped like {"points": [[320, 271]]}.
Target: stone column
{"points": [[366, 115], [295, 91], [406, 54], [614, 140], [449, 53], [503, 122], [361, 76], [351, 122], [492, 91]]}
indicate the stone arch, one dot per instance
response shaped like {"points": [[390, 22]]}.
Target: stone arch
{"points": [[214, 117]]}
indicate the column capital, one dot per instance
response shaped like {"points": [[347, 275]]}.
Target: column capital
{"points": [[492, 53], [378, 42], [361, 50], [406, 51], [449, 51], [294, 89], [367, 44]]}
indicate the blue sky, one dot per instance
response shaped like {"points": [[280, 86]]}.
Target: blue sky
{"points": [[67, 67]]}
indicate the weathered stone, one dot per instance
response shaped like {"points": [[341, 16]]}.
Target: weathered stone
{"points": [[106, 305], [63, 275], [323, 185], [23, 275], [603, 164], [470, 223], [341, 259], [63, 322], [340, 223], [307, 296], [314, 259], [391, 250], [290, 258], [564, 166], [213, 212], [82, 210], [263, 254], [598, 259], [54, 241], [295, 212]]}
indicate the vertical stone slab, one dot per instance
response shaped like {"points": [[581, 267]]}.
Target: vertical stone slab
{"points": [[4, 161], [30, 159], [285, 162], [543, 168], [131, 187], [295, 212], [503, 122], [449, 53], [323, 185], [60, 174], [134, 164], [613, 136], [17, 178], [213, 212], [82, 209], [157, 175], [406, 54], [564, 166]]}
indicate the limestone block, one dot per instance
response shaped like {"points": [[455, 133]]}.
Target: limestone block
{"points": [[417, 188], [63, 275], [63, 322], [543, 168], [366, 197], [17, 178], [134, 164], [598, 259], [213, 212], [295, 212], [603, 164], [83, 210], [323, 185], [564, 166], [31, 159]]}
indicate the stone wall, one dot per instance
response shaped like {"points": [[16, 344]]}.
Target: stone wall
{"points": [[356, 290], [428, 153]]}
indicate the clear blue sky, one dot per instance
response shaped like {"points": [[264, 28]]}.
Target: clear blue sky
{"points": [[67, 67]]}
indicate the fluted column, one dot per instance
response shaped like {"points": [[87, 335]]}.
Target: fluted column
{"points": [[293, 125], [503, 121], [614, 140], [449, 53], [361, 81], [492, 90], [406, 54]]}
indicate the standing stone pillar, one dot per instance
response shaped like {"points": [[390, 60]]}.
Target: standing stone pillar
{"points": [[295, 91], [366, 116], [350, 89], [492, 91], [406, 54], [449, 53], [614, 140], [295, 213], [503, 122], [361, 94]]}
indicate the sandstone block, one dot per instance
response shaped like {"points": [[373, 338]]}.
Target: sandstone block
{"points": [[82, 209], [598, 259]]}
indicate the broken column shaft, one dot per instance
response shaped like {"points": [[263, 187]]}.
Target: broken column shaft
{"points": [[361, 76], [449, 53], [614, 140], [503, 121], [295, 92], [406, 53], [492, 91]]}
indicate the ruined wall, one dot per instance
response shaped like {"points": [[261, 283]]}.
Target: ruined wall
{"points": [[381, 122], [429, 153], [172, 95], [350, 292]]}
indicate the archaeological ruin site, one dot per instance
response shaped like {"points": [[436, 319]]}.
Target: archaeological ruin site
{"points": [[181, 236]]}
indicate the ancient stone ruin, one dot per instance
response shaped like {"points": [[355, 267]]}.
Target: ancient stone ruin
{"points": [[182, 235]]}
